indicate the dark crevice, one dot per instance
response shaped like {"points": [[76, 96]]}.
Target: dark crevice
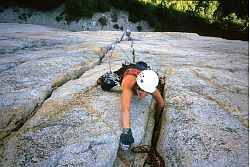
{"points": [[157, 125], [11, 65], [104, 51]]}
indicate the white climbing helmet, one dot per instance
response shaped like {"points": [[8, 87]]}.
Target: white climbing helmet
{"points": [[147, 80]]}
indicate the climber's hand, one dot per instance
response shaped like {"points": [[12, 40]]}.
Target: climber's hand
{"points": [[126, 139]]}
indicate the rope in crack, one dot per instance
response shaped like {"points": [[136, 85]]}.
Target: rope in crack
{"points": [[155, 159]]}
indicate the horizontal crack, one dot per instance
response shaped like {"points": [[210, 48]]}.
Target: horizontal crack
{"points": [[225, 106], [214, 84]]}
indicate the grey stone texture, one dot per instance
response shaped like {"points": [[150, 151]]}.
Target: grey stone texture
{"points": [[53, 113]]}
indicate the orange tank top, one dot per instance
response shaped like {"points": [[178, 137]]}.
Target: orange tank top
{"points": [[131, 71]]}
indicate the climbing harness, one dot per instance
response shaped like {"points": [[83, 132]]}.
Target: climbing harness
{"points": [[111, 79], [108, 80]]}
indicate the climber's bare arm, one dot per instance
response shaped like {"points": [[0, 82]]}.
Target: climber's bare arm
{"points": [[159, 103], [127, 93]]}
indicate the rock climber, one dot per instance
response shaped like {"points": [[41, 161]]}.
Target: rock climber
{"points": [[135, 79]]}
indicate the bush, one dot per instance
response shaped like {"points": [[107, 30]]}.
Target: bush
{"points": [[58, 18], [116, 26], [25, 15], [114, 15], [233, 21], [85, 8], [103, 21], [139, 28]]}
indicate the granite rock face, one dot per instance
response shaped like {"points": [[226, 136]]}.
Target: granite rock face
{"points": [[52, 112]]}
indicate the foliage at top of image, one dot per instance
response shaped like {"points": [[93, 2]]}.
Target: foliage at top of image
{"points": [[209, 11], [85, 8], [228, 19], [225, 17]]}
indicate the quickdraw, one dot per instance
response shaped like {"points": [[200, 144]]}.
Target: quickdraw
{"points": [[155, 160]]}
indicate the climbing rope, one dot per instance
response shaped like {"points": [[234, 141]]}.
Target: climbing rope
{"points": [[127, 33], [155, 160]]}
